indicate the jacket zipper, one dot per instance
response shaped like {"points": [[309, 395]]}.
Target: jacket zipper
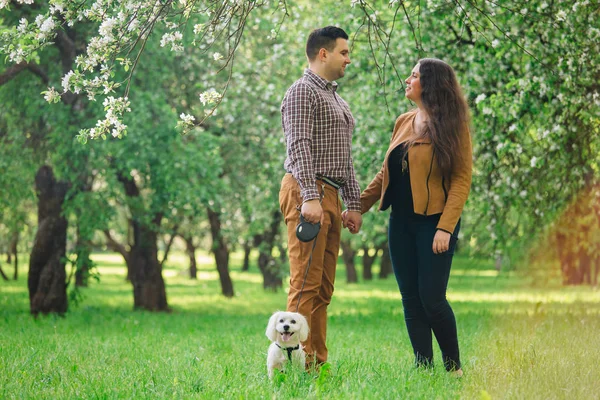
{"points": [[427, 183], [445, 190]]}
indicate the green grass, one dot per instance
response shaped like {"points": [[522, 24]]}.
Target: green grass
{"points": [[517, 342]]}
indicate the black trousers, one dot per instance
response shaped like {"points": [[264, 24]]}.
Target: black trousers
{"points": [[422, 277]]}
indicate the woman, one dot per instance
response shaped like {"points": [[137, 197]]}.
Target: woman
{"points": [[426, 178]]}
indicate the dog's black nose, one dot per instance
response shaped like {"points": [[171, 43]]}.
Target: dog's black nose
{"points": [[286, 327]]}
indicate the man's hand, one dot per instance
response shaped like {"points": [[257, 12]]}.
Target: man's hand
{"points": [[352, 220], [441, 242], [312, 211]]}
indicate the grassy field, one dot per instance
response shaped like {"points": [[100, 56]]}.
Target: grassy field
{"points": [[517, 342]]}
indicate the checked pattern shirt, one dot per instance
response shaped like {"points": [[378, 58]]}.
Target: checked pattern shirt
{"points": [[317, 124]]}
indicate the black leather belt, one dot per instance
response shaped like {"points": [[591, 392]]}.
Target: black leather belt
{"points": [[331, 182]]}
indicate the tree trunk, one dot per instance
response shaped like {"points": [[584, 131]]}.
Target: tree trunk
{"points": [[596, 266], [83, 249], [14, 250], [47, 274], [565, 259], [3, 274], [247, 250], [145, 272], [386, 262], [348, 255], [112, 244], [221, 252], [169, 244], [368, 264], [144, 269], [269, 267], [190, 250], [82, 273]]}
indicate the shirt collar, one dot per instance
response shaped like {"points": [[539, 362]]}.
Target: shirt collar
{"points": [[319, 81]]}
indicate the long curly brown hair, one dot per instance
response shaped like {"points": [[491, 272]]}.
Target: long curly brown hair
{"points": [[444, 103]]}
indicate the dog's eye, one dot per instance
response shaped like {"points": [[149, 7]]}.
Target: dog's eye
{"points": [[281, 320], [293, 321]]}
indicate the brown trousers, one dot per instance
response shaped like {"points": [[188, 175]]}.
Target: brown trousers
{"points": [[318, 287]]}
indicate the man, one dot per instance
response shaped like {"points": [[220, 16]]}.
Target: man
{"points": [[318, 126]]}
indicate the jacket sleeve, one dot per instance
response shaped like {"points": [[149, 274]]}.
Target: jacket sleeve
{"points": [[460, 185], [372, 193]]}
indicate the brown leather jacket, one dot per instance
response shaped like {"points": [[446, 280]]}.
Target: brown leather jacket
{"points": [[432, 194]]}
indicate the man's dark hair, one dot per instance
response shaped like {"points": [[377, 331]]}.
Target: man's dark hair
{"points": [[323, 38]]}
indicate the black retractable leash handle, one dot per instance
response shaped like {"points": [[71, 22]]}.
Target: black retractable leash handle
{"points": [[305, 232]]}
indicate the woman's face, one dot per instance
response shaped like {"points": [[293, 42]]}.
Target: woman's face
{"points": [[413, 85]]}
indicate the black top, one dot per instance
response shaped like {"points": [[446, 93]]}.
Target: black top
{"points": [[399, 192]]}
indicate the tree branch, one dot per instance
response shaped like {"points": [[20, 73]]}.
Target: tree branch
{"points": [[168, 248], [11, 73], [112, 244]]}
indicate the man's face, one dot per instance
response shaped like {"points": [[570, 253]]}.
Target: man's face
{"points": [[337, 59]]}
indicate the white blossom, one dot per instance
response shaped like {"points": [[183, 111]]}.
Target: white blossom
{"points": [[174, 39], [48, 25], [533, 162], [66, 80], [51, 95], [495, 43], [480, 98], [107, 27], [187, 119], [210, 96], [17, 55], [22, 28], [217, 56], [561, 15]]}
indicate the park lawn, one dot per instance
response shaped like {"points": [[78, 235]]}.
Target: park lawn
{"points": [[517, 342]]}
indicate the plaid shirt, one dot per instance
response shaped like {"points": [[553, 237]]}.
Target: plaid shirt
{"points": [[318, 126]]}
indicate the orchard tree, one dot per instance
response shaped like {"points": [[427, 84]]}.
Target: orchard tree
{"points": [[529, 70]]}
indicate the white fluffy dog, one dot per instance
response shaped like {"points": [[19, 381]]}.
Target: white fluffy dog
{"points": [[286, 330]]}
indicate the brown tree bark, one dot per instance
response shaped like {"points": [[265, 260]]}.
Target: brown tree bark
{"points": [[247, 250], [367, 262], [269, 267], [348, 255], [386, 262], [3, 274], [596, 272], [47, 274], [14, 242], [83, 251], [145, 271], [169, 244], [190, 250], [221, 252], [566, 259], [585, 267], [143, 267]]}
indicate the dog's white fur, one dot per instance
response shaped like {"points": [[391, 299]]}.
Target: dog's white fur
{"points": [[286, 329]]}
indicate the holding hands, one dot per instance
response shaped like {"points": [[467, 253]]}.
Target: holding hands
{"points": [[352, 220]]}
